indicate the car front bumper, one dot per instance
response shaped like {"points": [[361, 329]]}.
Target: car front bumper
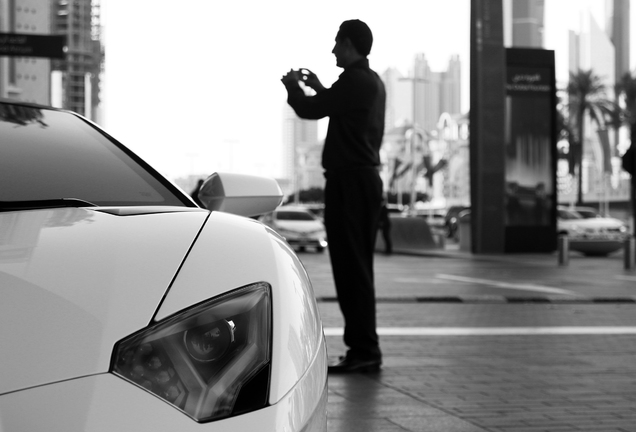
{"points": [[107, 403]]}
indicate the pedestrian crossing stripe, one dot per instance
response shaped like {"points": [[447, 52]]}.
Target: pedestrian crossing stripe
{"points": [[506, 285], [494, 331]]}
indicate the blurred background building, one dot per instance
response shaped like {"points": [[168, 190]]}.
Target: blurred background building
{"points": [[73, 83], [302, 153]]}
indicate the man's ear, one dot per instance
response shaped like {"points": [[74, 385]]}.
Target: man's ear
{"points": [[346, 42]]}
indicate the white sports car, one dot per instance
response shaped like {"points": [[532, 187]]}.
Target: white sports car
{"points": [[125, 307]]}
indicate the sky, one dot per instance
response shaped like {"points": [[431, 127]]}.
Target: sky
{"points": [[194, 86]]}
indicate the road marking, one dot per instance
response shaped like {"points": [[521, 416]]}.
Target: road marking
{"points": [[625, 278], [506, 285], [493, 331]]}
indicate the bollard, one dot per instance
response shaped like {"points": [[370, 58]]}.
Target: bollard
{"points": [[628, 253], [563, 245], [441, 240]]}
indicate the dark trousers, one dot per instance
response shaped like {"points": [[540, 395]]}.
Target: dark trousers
{"points": [[353, 200]]}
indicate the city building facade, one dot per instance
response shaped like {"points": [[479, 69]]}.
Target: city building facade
{"points": [[602, 48], [72, 83], [76, 80], [417, 107], [25, 78], [524, 20], [302, 153]]}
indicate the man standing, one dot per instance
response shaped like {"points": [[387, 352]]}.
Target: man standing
{"points": [[355, 105]]}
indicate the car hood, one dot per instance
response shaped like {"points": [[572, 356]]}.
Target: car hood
{"points": [[299, 226], [71, 279]]}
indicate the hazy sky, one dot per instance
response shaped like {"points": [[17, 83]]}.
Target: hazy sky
{"points": [[194, 86]]}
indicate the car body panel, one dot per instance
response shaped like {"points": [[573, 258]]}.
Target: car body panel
{"points": [[590, 233], [70, 281], [95, 249], [298, 333], [570, 222], [106, 403]]}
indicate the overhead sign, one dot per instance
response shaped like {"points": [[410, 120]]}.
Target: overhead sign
{"points": [[32, 45]]}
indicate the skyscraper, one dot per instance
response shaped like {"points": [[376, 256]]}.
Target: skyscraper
{"points": [[25, 78], [617, 28], [72, 83], [300, 145], [78, 76], [527, 23], [434, 93]]}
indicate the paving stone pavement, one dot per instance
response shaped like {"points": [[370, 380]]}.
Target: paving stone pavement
{"points": [[571, 378]]}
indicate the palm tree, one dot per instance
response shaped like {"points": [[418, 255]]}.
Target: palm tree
{"points": [[627, 88], [586, 93]]}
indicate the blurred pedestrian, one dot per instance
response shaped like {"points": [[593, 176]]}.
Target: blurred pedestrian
{"points": [[385, 227], [195, 193], [355, 105]]}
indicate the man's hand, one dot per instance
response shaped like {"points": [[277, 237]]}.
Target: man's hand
{"points": [[311, 80], [291, 78]]}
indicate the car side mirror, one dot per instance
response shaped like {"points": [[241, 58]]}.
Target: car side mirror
{"points": [[240, 194]]}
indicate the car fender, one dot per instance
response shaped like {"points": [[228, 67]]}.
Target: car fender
{"points": [[263, 256]]}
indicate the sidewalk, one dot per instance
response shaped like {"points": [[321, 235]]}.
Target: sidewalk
{"points": [[467, 351]]}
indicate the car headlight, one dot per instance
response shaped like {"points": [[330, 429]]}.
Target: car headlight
{"points": [[211, 361]]}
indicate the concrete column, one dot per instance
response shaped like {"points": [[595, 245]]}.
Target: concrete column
{"points": [[487, 118]]}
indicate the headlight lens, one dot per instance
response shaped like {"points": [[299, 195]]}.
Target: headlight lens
{"points": [[211, 361]]}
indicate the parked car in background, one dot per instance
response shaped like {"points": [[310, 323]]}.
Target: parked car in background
{"points": [[125, 306], [589, 232], [298, 226], [317, 209]]}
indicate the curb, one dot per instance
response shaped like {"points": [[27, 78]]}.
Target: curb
{"points": [[487, 299]]}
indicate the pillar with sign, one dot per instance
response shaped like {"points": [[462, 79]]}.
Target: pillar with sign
{"points": [[530, 151], [512, 140]]}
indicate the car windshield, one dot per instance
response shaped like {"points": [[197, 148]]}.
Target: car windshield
{"points": [[294, 215], [587, 214], [52, 155], [568, 215]]}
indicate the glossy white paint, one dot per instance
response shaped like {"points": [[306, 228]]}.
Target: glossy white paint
{"points": [[240, 194], [75, 281], [254, 253], [106, 403]]}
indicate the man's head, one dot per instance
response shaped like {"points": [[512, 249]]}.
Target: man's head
{"points": [[353, 41]]}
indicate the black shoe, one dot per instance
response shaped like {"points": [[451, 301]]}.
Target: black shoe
{"points": [[351, 365]]}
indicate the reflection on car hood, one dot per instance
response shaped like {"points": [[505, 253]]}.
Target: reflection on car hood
{"points": [[299, 226], [74, 281]]}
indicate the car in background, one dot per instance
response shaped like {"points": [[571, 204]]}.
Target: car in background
{"points": [[589, 232], [316, 209], [300, 227], [125, 306]]}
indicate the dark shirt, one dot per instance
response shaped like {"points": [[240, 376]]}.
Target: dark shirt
{"points": [[355, 105]]}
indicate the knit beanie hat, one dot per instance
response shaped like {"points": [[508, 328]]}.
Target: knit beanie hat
{"points": [[358, 33]]}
